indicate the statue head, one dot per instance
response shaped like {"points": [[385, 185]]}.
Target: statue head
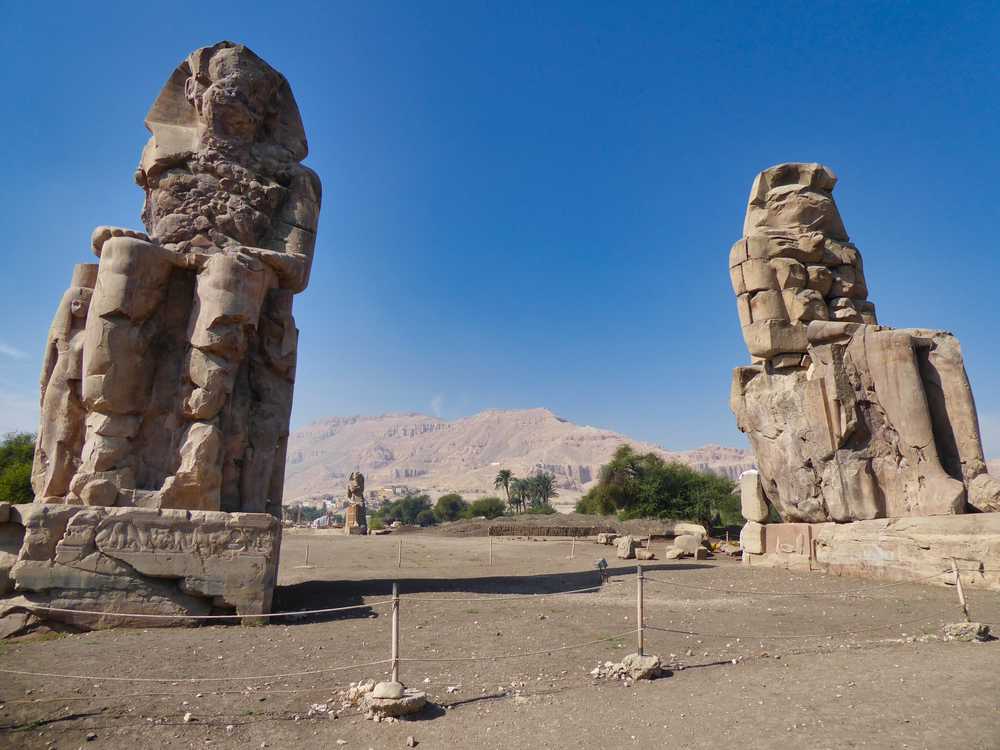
{"points": [[223, 95], [795, 263]]}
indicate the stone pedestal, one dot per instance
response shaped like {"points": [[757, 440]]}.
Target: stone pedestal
{"points": [[136, 561], [900, 549]]}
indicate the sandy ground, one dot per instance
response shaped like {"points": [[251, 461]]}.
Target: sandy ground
{"points": [[891, 684]]}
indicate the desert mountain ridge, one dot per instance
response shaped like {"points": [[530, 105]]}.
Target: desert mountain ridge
{"points": [[436, 456]]}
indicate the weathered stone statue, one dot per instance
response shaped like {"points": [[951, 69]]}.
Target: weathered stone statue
{"points": [[356, 515], [848, 420], [167, 384]]}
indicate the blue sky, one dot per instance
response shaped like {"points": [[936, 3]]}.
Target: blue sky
{"points": [[532, 204]]}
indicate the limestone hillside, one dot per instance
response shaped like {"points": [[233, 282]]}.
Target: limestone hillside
{"points": [[437, 456]]}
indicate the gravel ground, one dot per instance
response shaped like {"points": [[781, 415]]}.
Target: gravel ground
{"points": [[890, 683]]}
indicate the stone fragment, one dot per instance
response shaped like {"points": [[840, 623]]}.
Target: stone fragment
{"points": [[605, 538], [388, 690], [626, 547], [647, 667], [410, 702], [752, 538], [674, 553], [701, 554], [790, 273], [967, 631], [688, 543], [641, 553], [753, 502], [820, 279], [984, 493]]}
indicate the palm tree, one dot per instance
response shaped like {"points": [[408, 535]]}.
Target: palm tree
{"points": [[543, 487], [520, 490], [503, 479]]}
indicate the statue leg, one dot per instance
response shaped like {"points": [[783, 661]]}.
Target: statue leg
{"points": [[131, 282], [900, 390], [228, 297]]}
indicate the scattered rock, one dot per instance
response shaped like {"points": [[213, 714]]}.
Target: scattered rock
{"points": [[410, 702], [391, 690], [673, 554], [626, 547], [411, 741], [967, 631], [688, 543], [606, 538], [644, 554]]}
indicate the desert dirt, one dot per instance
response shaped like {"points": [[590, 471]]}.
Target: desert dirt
{"points": [[893, 683]]}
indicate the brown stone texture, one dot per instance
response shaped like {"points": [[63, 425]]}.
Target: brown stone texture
{"points": [[848, 419], [166, 387], [138, 561]]}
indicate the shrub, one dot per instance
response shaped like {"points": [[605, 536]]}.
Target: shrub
{"points": [[426, 518], [405, 510], [17, 451], [376, 523], [490, 507], [542, 510], [450, 507], [645, 486]]}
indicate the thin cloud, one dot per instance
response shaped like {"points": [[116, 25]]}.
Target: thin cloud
{"points": [[12, 352], [437, 404]]}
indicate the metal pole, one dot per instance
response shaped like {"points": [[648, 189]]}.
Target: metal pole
{"points": [[638, 605], [395, 632], [961, 591]]}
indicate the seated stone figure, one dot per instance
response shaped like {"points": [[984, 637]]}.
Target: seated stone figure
{"points": [[848, 419], [188, 352]]}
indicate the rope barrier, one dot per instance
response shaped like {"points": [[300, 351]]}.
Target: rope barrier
{"points": [[678, 631], [794, 593], [137, 615], [261, 678], [571, 592], [498, 657]]}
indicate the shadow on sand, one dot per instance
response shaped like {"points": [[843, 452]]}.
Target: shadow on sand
{"points": [[320, 594]]}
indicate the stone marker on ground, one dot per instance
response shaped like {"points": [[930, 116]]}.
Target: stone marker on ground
{"points": [[626, 547]]}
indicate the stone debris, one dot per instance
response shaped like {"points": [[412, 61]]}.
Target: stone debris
{"points": [[967, 631], [166, 385], [642, 553], [606, 538], [632, 667], [849, 420], [626, 547]]}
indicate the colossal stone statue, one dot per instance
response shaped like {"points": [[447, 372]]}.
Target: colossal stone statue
{"points": [[848, 419], [189, 347], [168, 375]]}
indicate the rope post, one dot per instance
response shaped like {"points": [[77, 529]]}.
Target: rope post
{"points": [[961, 591], [395, 632], [638, 607], [491, 552], [399, 553], [572, 549], [307, 555]]}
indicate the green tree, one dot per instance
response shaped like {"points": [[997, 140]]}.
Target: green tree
{"points": [[542, 488], [490, 507], [635, 485], [450, 507], [520, 492], [405, 510], [426, 518], [17, 451], [503, 479]]}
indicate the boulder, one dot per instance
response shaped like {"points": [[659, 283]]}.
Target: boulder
{"points": [[410, 702], [673, 554], [606, 538], [388, 690], [688, 543], [642, 667], [626, 547], [644, 554]]}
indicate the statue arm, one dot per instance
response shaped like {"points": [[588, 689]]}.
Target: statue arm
{"points": [[289, 249], [48, 366]]}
